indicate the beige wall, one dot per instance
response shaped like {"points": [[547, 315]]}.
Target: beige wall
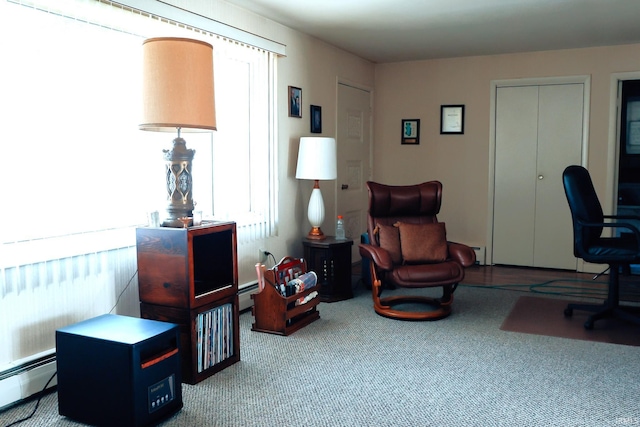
{"points": [[417, 89]]}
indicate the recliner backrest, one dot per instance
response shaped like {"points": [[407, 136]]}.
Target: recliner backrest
{"points": [[417, 204], [584, 205]]}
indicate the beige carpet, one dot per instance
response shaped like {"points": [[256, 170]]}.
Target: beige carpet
{"points": [[545, 316]]}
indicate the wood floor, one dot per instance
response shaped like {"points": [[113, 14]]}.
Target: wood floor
{"points": [[505, 275], [546, 281], [538, 280]]}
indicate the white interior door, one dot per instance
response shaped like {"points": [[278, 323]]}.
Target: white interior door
{"points": [[559, 145], [354, 160], [515, 171], [538, 134]]}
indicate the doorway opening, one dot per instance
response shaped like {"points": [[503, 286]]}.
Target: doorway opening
{"points": [[628, 122]]}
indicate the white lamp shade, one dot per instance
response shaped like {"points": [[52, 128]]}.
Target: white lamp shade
{"points": [[317, 158], [177, 85]]}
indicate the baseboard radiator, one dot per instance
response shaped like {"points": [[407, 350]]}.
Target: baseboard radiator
{"points": [[26, 377], [480, 255], [244, 296]]}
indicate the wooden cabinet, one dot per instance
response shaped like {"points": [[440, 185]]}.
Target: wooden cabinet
{"points": [[331, 260], [189, 276], [280, 315]]}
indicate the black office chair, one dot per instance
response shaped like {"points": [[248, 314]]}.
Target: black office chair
{"points": [[616, 251]]}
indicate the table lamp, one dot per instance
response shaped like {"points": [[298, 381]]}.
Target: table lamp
{"points": [[316, 161], [178, 96]]}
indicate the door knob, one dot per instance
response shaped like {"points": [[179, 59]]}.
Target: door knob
{"points": [[540, 177], [344, 186]]}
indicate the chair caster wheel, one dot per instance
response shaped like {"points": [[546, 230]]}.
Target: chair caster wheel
{"points": [[568, 312], [588, 325]]}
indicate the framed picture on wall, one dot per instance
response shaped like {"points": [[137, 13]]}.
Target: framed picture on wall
{"points": [[316, 119], [451, 119], [295, 102], [411, 131]]}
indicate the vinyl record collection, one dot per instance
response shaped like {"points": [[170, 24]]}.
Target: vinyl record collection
{"points": [[215, 336]]}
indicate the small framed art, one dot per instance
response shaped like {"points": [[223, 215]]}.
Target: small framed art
{"points": [[316, 119], [451, 119], [411, 131], [295, 102]]}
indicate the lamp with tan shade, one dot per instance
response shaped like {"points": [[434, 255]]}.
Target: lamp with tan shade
{"points": [[178, 96]]}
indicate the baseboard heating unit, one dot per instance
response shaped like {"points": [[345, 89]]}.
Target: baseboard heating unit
{"points": [[26, 377]]}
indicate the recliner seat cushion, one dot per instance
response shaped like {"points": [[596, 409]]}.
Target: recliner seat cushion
{"points": [[427, 275]]}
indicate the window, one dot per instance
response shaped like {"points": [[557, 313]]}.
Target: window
{"points": [[74, 160], [78, 174]]}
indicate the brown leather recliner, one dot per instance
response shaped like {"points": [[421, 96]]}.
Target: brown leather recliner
{"points": [[419, 257]]}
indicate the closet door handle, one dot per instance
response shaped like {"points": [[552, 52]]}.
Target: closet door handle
{"points": [[541, 177], [344, 186]]}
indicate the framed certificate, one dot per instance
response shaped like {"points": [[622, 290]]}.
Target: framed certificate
{"points": [[452, 119]]}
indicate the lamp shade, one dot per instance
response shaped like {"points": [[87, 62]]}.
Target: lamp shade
{"points": [[177, 85], [317, 158]]}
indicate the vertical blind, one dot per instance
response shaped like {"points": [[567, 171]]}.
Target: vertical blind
{"points": [[80, 176]]}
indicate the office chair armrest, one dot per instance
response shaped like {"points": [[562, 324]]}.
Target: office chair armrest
{"points": [[625, 225], [635, 217], [462, 253], [379, 256]]}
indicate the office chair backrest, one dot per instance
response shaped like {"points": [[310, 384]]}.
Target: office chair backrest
{"points": [[584, 206]]}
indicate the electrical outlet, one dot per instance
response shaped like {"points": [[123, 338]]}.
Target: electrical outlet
{"points": [[262, 255]]}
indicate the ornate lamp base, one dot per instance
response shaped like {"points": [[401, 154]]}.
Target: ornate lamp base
{"points": [[315, 213], [179, 183]]}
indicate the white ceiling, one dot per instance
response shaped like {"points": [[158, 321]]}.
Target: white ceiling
{"points": [[405, 30]]}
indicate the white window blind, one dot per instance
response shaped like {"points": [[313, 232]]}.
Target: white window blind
{"points": [[71, 105], [79, 176]]}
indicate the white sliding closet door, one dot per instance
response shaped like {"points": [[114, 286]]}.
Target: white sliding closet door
{"points": [[538, 134]]}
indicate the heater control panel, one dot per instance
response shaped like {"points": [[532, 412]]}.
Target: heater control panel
{"points": [[162, 393]]}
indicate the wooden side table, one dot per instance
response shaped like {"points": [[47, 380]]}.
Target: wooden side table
{"points": [[331, 260]]}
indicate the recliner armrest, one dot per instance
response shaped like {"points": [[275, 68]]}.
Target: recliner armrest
{"points": [[462, 253], [379, 256]]}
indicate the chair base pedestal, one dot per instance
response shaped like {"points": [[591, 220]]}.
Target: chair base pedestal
{"points": [[611, 308], [605, 311], [385, 307]]}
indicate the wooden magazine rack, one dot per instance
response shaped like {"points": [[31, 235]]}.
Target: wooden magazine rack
{"points": [[276, 314]]}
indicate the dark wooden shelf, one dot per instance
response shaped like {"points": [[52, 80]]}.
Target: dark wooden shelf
{"points": [[331, 260], [186, 275]]}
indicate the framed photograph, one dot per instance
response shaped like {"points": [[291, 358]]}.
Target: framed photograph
{"points": [[295, 102], [316, 119], [411, 131], [451, 119]]}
